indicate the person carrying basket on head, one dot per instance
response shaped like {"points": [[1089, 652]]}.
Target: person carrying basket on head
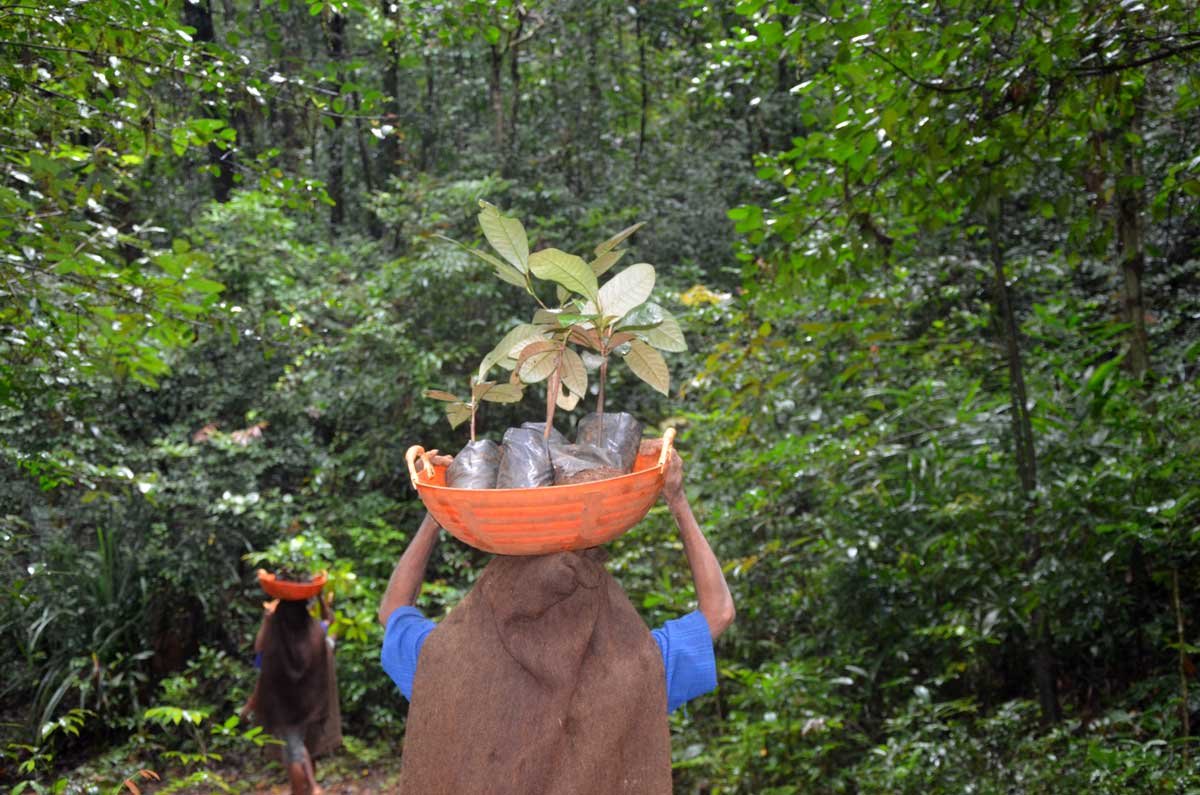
{"points": [[296, 696], [544, 679]]}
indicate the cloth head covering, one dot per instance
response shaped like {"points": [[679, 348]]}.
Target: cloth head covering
{"points": [[543, 679]]}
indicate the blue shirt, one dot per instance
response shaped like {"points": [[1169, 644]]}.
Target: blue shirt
{"points": [[685, 643]]}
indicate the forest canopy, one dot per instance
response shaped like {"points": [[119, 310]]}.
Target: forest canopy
{"points": [[938, 270]]}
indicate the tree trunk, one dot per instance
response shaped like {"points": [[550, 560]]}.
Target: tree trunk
{"points": [[496, 98], [374, 227], [1026, 459], [336, 43], [514, 73], [1181, 635], [390, 151], [198, 15], [643, 83], [1133, 254], [429, 118]]}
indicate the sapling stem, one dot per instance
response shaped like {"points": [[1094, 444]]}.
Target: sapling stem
{"points": [[552, 387], [603, 378]]}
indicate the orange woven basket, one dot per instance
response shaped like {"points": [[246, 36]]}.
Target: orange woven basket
{"points": [[541, 520], [290, 591]]}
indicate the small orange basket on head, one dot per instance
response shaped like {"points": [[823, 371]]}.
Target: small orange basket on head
{"points": [[542, 520], [288, 590]]}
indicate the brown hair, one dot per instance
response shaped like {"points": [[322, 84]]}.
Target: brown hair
{"points": [[292, 685]]}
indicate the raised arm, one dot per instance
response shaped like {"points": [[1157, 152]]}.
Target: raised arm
{"points": [[712, 592], [404, 586]]}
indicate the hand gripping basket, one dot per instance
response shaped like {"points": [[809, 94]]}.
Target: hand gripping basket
{"points": [[541, 520]]}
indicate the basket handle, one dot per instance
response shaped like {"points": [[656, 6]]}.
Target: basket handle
{"points": [[668, 443], [411, 457]]}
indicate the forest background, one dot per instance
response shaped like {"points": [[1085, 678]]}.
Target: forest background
{"points": [[938, 264]]}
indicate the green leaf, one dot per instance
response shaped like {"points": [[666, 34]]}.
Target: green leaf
{"points": [[538, 366], [507, 346], [566, 269], [437, 394], [603, 263], [649, 365], [628, 289], [505, 271], [656, 326], [458, 413], [179, 140], [616, 240], [201, 285], [504, 393], [567, 401], [572, 372], [506, 234]]}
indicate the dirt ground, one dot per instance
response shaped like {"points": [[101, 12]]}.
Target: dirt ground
{"points": [[340, 774]]}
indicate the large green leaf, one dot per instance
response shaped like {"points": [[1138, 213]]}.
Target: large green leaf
{"points": [[566, 269], [648, 365], [504, 349], [616, 240], [628, 289], [506, 234], [656, 326]]}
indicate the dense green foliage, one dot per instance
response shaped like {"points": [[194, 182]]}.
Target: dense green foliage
{"points": [[938, 266]]}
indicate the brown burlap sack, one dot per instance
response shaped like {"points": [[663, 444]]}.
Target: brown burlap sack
{"points": [[544, 679], [297, 686]]}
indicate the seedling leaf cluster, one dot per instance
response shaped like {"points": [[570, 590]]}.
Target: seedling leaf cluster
{"points": [[590, 325]]}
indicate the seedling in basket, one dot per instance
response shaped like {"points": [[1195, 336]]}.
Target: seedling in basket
{"points": [[459, 410], [616, 318]]}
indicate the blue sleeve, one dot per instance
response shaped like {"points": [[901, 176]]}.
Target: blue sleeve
{"points": [[406, 631], [688, 658]]}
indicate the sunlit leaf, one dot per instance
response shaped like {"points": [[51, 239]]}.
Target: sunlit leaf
{"points": [[628, 289], [506, 234], [566, 269]]}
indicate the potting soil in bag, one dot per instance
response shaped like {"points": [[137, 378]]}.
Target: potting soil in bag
{"points": [[524, 460], [582, 463], [475, 466], [555, 436], [619, 434]]}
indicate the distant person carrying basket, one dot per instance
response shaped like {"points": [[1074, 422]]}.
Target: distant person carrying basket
{"points": [[544, 679], [296, 697]]}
